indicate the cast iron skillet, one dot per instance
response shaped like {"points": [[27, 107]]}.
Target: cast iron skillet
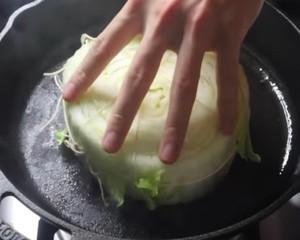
{"points": [[58, 186]]}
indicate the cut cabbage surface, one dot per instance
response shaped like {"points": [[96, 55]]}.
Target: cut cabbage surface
{"points": [[136, 170]]}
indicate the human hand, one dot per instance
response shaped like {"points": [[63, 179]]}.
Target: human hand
{"points": [[188, 27]]}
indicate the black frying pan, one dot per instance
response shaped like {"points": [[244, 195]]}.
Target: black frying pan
{"points": [[58, 186]]}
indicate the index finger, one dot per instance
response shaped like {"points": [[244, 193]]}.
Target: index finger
{"points": [[113, 38]]}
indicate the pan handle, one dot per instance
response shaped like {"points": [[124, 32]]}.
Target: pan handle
{"points": [[7, 232], [296, 178]]}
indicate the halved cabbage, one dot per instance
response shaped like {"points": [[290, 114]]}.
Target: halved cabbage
{"points": [[136, 169]]}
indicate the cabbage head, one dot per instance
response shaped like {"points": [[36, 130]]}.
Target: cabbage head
{"points": [[136, 170]]}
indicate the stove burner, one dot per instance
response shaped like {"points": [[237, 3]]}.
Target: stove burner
{"points": [[26, 222]]}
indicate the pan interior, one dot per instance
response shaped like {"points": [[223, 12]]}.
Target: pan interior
{"points": [[63, 184]]}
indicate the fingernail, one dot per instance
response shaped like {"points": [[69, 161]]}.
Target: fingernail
{"points": [[69, 91], [110, 142], [169, 153]]}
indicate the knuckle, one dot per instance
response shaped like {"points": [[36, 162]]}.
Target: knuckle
{"points": [[166, 12], [136, 75], [175, 132], [171, 133], [117, 119], [117, 122], [184, 88], [132, 12], [133, 5], [169, 6], [161, 22], [135, 78], [204, 15], [99, 48], [202, 21], [195, 24], [140, 70], [80, 77]]}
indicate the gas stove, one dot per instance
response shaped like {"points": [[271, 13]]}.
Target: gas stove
{"points": [[283, 224]]}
